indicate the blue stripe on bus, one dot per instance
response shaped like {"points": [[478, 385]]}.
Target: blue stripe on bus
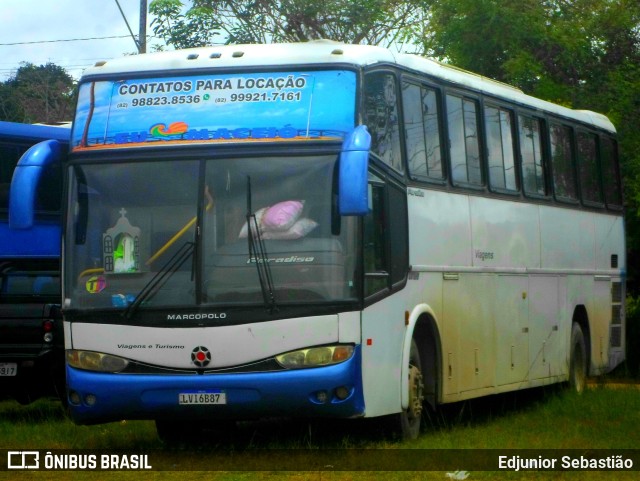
{"points": [[290, 393]]}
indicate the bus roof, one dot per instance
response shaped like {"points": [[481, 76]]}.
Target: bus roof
{"points": [[34, 132], [326, 52]]}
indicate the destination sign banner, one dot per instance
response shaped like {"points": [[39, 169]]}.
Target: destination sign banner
{"points": [[244, 107]]}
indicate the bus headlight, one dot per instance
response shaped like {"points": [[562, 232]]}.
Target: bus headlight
{"points": [[95, 361], [315, 356]]}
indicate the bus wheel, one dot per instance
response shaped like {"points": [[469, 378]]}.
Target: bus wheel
{"points": [[407, 423], [578, 360], [172, 432]]}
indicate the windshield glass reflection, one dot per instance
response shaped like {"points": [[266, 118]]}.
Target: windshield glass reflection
{"points": [[132, 220]]}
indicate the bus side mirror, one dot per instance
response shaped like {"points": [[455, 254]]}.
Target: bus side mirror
{"points": [[25, 180], [353, 173]]}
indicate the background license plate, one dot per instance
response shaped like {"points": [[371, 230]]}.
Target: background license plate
{"points": [[202, 398], [8, 369]]}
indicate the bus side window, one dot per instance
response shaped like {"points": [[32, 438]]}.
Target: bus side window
{"points": [[610, 174], [464, 140], [588, 168], [564, 182], [533, 175], [381, 112], [422, 132], [500, 152], [375, 255], [386, 254], [9, 156]]}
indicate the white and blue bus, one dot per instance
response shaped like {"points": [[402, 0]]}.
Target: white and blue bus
{"points": [[330, 230], [31, 344]]}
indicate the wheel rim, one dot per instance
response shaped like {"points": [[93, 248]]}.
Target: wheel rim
{"points": [[416, 393], [579, 368]]}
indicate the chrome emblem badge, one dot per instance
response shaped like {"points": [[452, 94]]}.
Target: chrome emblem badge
{"points": [[200, 356]]}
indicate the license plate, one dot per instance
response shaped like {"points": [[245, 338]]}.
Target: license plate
{"points": [[8, 369], [202, 397]]}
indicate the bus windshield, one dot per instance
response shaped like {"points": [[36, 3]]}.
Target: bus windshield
{"points": [[133, 236]]}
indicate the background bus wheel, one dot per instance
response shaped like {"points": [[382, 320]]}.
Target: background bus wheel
{"points": [[407, 423], [173, 432], [578, 360]]}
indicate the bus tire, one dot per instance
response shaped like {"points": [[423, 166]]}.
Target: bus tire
{"points": [[577, 360], [178, 432], [170, 432], [407, 423]]}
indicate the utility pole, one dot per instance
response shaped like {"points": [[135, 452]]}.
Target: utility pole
{"points": [[142, 35], [141, 41]]}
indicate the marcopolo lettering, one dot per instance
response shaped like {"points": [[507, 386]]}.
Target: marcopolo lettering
{"points": [[196, 317]]}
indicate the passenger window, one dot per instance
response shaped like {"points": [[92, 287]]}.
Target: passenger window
{"points": [[386, 254], [464, 141], [422, 132], [381, 111], [502, 172], [9, 156], [588, 168], [610, 174], [564, 183], [533, 175], [375, 255]]}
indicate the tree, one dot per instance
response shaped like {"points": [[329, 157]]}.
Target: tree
{"points": [[42, 93], [559, 50], [264, 21]]}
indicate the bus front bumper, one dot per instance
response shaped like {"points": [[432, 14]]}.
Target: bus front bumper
{"points": [[328, 391]]}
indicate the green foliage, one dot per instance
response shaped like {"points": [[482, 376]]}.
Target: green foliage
{"points": [[195, 28], [34, 94], [633, 336], [265, 21]]}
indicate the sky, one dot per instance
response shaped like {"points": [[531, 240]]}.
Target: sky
{"points": [[35, 31]]}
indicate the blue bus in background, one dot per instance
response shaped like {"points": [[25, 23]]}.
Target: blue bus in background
{"points": [[31, 362]]}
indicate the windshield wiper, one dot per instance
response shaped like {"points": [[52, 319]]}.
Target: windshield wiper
{"points": [[161, 277], [258, 253]]}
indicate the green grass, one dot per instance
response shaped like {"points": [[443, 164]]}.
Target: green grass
{"points": [[600, 418]]}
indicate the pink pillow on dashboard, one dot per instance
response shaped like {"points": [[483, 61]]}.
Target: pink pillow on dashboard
{"points": [[244, 232], [281, 216], [300, 229]]}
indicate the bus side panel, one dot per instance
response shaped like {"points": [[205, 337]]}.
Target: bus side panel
{"points": [[565, 248], [599, 310], [512, 330], [610, 241], [547, 329], [439, 229], [505, 234], [382, 342], [469, 309]]}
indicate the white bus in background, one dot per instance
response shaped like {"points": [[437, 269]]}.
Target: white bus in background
{"points": [[330, 230]]}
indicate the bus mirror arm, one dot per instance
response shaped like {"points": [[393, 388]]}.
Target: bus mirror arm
{"points": [[25, 180], [353, 173]]}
